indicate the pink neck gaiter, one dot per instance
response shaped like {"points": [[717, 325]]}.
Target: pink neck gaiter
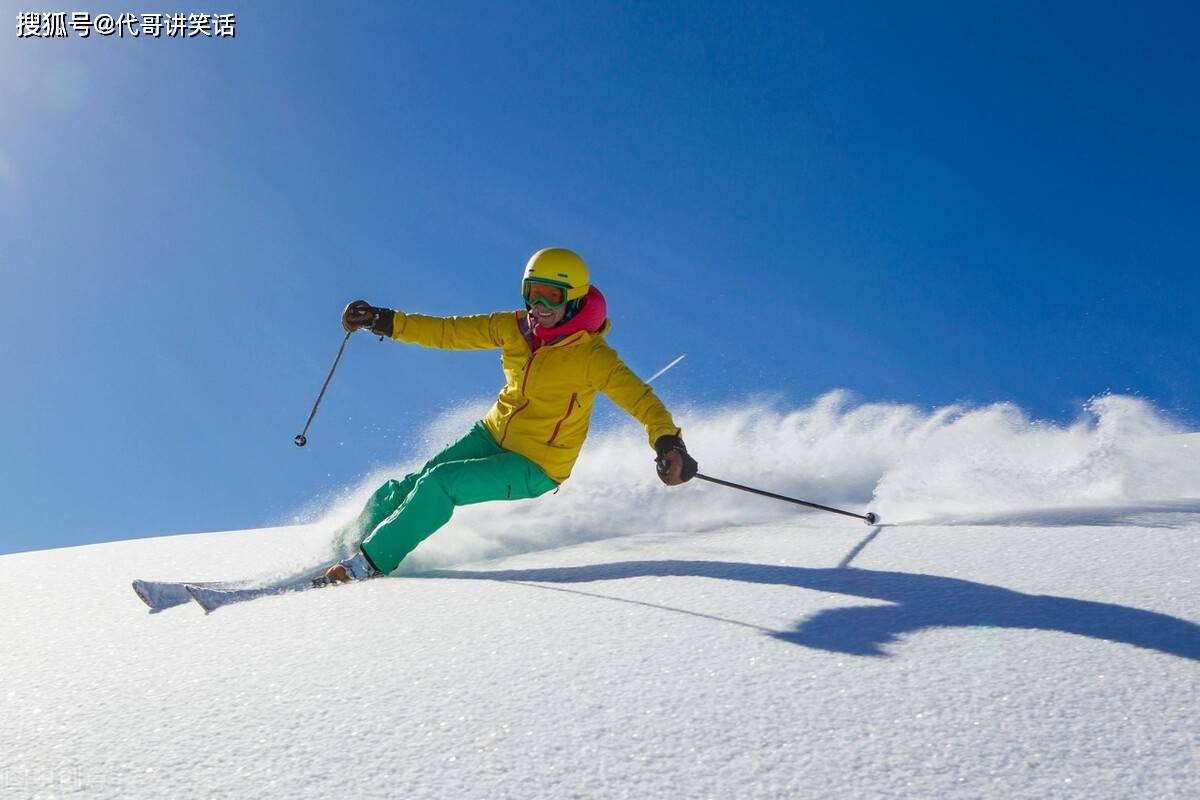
{"points": [[589, 318]]}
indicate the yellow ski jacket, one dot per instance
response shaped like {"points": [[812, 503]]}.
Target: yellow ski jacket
{"points": [[545, 407]]}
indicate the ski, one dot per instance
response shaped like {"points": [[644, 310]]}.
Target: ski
{"points": [[210, 597], [161, 595]]}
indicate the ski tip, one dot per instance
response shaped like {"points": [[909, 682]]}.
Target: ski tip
{"points": [[139, 588], [202, 596], [871, 518]]}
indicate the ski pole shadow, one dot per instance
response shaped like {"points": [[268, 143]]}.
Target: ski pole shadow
{"points": [[915, 602], [858, 548]]}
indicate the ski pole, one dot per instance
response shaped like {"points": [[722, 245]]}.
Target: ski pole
{"points": [[301, 439], [870, 518]]}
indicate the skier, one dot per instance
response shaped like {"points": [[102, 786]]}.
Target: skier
{"points": [[554, 359]]}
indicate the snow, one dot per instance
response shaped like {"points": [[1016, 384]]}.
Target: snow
{"points": [[622, 639], [971, 661]]}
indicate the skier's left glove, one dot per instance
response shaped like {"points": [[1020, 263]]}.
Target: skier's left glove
{"points": [[361, 314], [673, 464]]}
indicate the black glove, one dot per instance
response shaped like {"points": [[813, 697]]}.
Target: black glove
{"points": [[673, 464], [361, 314]]}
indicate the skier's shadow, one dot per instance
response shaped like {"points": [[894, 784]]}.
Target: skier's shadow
{"points": [[916, 602]]}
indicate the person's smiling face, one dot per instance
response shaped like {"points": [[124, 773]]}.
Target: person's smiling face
{"points": [[547, 317], [547, 302]]}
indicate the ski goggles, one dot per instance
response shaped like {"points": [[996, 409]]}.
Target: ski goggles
{"points": [[551, 295]]}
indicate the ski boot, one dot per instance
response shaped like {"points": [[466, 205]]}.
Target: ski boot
{"points": [[355, 568]]}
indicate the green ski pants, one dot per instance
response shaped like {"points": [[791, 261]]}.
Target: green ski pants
{"points": [[403, 513]]}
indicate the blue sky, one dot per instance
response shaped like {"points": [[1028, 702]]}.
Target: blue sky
{"points": [[924, 203]]}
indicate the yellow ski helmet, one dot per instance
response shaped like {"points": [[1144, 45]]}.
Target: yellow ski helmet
{"points": [[557, 266]]}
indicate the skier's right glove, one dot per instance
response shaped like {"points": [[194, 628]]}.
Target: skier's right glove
{"points": [[674, 465], [361, 314]]}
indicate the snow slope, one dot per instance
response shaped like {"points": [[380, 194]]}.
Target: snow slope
{"points": [[1025, 627], [818, 658]]}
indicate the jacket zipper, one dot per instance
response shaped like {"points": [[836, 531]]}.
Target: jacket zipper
{"points": [[528, 369], [504, 435], [570, 408], [520, 408]]}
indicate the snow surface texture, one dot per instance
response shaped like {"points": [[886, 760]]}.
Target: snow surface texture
{"points": [[1025, 633]]}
